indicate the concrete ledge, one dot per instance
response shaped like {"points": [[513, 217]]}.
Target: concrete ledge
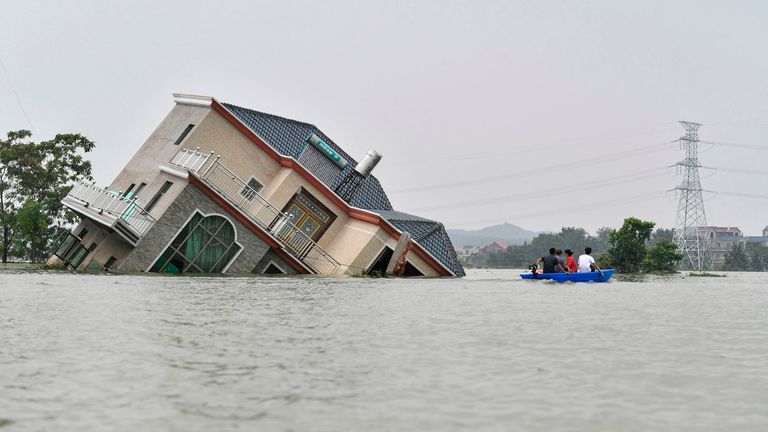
{"points": [[194, 100]]}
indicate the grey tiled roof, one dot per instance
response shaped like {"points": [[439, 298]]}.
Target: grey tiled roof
{"points": [[288, 137], [431, 235]]}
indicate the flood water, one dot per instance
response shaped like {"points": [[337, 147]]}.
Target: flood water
{"points": [[486, 352]]}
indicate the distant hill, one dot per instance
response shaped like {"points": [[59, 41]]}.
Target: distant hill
{"points": [[506, 232]]}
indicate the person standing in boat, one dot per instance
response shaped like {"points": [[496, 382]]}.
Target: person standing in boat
{"points": [[550, 262], [587, 263], [570, 262]]}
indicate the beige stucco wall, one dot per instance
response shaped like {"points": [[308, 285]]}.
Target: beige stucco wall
{"points": [[159, 148], [368, 240], [285, 185], [108, 244], [238, 153], [417, 262]]}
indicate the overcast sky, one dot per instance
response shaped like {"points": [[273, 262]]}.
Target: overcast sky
{"points": [[538, 113]]}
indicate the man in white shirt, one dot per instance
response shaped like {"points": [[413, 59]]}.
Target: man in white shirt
{"points": [[586, 262]]}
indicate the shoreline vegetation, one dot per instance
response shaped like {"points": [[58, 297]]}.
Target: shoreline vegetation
{"points": [[707, 274], [632, 249], [635, 248], [34, 178]]}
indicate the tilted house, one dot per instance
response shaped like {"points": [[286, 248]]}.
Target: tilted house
{"points": [[220, 188]]}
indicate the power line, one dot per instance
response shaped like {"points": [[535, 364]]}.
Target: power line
{"points": [[497, 151], [736, 145], [605, 182], [737, 170], [573, 164], [738, 194], [18, 99], [572, 209]]}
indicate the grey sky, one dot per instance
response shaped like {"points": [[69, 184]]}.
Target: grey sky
{"points": [[449, 92]]}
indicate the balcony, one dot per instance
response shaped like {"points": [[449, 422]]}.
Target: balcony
{"points": [[111, 209], [260, 211]]}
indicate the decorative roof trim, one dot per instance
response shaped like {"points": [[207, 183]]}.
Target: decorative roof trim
{"points": [[194, 100], [273, 244], [352, 212]]}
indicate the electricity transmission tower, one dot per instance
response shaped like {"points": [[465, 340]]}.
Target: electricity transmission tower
{"points": [[689, 239]]}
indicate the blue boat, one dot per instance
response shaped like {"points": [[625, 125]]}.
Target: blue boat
{"points": [[572, 277]]}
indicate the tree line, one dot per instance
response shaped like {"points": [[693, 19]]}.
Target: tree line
{"points": [[632, 248], [749, 257], [34, 178]]}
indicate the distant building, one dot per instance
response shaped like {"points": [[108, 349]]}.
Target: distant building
{"points": [[219, 188], [467, 251], [494, 247], [721, 240], [758, 240]]}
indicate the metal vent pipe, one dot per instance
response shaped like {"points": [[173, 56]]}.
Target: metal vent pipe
{"points": [[368, 163]]}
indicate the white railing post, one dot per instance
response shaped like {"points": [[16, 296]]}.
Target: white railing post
{"points": [[113, 204], [184, 160], [207, 158], [215, 161]]}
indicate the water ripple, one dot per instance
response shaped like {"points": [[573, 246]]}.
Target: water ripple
{"points": [[487, 352]]}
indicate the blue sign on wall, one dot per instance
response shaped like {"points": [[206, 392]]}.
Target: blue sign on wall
{"points": [[326, 150]]}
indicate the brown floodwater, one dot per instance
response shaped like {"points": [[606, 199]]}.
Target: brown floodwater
{"points": [[486, 352]]}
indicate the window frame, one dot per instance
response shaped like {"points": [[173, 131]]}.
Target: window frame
{"points": [[191, 261], [184, 134], [246, 193], [158, 195], [324, 226]]}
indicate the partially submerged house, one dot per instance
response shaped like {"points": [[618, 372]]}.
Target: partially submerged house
{"points": [[218, 188]]}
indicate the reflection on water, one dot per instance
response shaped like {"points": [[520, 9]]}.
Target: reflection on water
{"points": [[487, 352]]}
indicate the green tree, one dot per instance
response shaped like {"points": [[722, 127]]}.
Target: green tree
{"points": [[520, 256], [9, 179], [32, 229], [736, 259], [663, 256], [43, 173], [758, 257], [600, 242], [627, 250], [662, 234]]}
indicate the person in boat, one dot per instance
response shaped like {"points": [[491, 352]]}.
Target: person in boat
{"points": [[559, 255], [570, 262], [550, 263], [587, 263]]}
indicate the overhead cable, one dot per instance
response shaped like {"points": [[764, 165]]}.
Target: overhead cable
{"points": [[572, 164], [18, 98], [743, 146], [546, 193], [569, 209]]}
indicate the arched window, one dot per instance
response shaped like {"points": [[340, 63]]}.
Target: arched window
{"points": [[206, 244]]}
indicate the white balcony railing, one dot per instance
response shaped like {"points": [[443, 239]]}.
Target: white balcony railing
{"points": [[261, 211], [114, 206], [192, 160]]}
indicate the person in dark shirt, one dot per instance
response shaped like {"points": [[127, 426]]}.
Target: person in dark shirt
{"points": [[561, 260], [550, 262]]}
